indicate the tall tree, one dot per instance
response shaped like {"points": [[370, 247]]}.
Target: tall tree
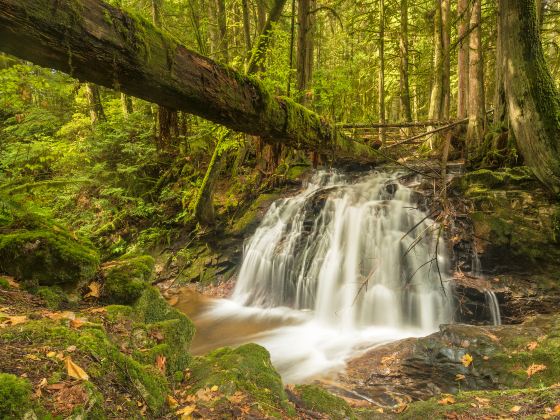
{"points": [[304, 59], [463, 58], [404, 66], [476, 101], [434, 112], [381, 79], [531, 97], [95, 105], [446, 52]]}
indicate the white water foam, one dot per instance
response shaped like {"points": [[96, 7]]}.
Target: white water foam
{"points": [[346, 266]]}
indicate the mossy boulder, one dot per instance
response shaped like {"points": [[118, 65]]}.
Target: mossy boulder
{"points": [[316, 399], [253, 214], [47, 257], [15, 396], [127, 278], [170, 330], [246, 370]]}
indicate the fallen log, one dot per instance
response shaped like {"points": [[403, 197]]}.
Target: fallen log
{"points": [[99, 43]]}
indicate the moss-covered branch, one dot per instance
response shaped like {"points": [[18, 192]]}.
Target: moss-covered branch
{"points": [[99, 43]]}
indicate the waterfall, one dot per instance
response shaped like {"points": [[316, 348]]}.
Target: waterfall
{"points": [[343, 265], [489, 296], [493, 306]]}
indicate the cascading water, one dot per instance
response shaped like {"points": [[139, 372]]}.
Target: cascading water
{"points": [[348, 265], [489, 296]]}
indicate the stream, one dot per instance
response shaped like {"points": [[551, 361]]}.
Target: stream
{"points": [[345, 265]]}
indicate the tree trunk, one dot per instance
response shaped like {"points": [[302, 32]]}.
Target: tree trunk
{"points": [[126, 102], [93, 96], [204, 204], [403, 48], [475, 108], [246, 25], [436, 96], [532, 100], [463, 58], [261, 45], [381, 78], [304, 51], [222, 30], [446, 53], [104, 45]]}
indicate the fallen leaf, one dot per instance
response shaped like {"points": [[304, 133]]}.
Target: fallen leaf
{"points": [[57, 316], [515, 409], [379, 410], [401, 408], [482, 401], [74, 370], [556, 409], [459, 377], [160, 363], [485, 358], [447, 399], [186, 411], [14, 320], [173, 300], [532, 345], [531, 370], [32, 357], [467, 360], [387, 360], [214, 388], [100, 310], [94, 290], [71, 349], [51, 354], [236, 398], [172, 402], [76, 323]]}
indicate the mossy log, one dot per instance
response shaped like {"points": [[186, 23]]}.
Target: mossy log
{"points": [[99, 43], [532, 101]]}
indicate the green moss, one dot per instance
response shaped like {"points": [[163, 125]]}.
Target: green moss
{"points": [[495, 404], [15, 396], [246, 369], [47, 257], [317, 399], [53, 296], [143, 381], [126, 279], [250, 217], [174, 329], [4, 284]]}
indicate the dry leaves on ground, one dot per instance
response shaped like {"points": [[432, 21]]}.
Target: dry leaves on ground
{"points": [[467, 360], [94, 290], [534, 368], [447, 399]]}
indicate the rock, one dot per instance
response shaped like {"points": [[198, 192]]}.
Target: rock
{"points": [[47, 257], [126, 279]]}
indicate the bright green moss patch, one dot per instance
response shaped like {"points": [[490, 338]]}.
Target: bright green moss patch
{"points": [[246, 369], [15, 396], [126, 279], [250, 217], [47, 257], [53, 296], [4, 284], [316, 399]]}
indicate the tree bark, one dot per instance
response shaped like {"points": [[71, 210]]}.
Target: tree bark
{"points": [[475, 108], [97, 42], [93, 96], [434, 112], [446, 53], [532, 100], [126, 102], [304, 58], [263, 40], [246, 25], [404, 67], [463, 58], [381, 78]]}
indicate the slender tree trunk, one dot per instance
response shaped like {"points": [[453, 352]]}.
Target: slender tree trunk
{"points": [[204, 204], [434, 112], [532, 100], [475, 108], [403, 48], [246, 25], [223, 45], [446, 52], [463, 58], [381, 78], [96, 112], [304, 51], [126, 102], [261, 45]]}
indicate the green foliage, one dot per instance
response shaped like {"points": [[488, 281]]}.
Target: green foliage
{"points": [[15, 396]]}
